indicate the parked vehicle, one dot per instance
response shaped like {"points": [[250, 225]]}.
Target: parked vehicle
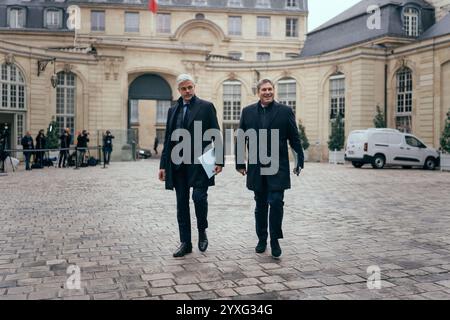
{"points": [[381, 147], [143, 153]]}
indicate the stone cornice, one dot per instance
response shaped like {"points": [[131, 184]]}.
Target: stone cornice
{"points": [[168, 9], [125, 43], [18, 49]]}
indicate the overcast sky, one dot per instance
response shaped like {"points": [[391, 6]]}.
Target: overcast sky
{"points": [[320, 11]]}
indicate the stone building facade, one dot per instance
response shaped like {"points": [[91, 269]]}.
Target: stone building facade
{"points": [[118, 70]]}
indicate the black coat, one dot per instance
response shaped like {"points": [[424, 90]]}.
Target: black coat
{"points": [[281, 117], [27, 143], [199, 110], [40, 141], [65, 140], [107, 143], [82, 141]]}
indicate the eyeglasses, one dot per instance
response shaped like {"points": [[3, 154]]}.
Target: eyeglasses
{"points": [[189, 88]]}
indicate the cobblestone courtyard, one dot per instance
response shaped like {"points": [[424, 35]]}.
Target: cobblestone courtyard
{"points": [[118, 225]]}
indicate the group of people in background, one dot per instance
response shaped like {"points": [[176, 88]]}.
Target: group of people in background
{"points": [[29, 149], [37, 149]]}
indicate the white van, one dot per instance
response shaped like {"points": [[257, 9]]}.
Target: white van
{"points": [[381, 147]]}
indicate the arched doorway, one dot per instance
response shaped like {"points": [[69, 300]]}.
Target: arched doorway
{"points": [[149, 99]]}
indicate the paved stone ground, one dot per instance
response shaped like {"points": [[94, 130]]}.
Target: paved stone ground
{"points": [[119, 227]]}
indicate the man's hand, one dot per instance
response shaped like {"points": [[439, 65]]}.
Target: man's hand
{"points": [[297, 171], [162, 175], [242, 171], [218, 169]]}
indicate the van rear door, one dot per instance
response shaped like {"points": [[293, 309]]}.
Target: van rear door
{"points": [[355, 144]]}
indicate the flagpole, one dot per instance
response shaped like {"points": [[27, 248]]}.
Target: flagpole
{"points": [[153, 7], [152, 23]]}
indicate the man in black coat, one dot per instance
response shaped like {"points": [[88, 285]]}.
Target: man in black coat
{"points": [[107, 146], [268, 179], [66, 139], [188, 113], [27, 145], [82, 146], [41, 142]]}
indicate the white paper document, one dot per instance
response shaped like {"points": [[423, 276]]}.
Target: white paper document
{"points": [[208, 161]]}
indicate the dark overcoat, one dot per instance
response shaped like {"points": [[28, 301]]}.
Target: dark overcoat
{"points": [[282, 118], [204, 112]]}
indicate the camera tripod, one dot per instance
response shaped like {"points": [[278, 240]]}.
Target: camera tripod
{"points": [[3, 156], [3, 153]]}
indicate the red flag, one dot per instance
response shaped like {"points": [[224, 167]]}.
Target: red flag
{"points": [[153, 5]]}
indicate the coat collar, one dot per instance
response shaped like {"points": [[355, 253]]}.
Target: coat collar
{"points": [[273, 114], [194, 108]]}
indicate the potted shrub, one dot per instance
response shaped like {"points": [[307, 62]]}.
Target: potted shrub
{"points": [[445, 145], [379, 120], [52, 141], [303, 139], [337, 140]]}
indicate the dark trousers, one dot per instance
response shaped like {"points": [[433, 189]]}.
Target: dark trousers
{"points": [[106, 156], [63, 155], [39, 158], [81, 154], [265, 199], [27, 155], [200, 198]]}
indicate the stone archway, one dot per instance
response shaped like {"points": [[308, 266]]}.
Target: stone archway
{"points": [[149, 97]]}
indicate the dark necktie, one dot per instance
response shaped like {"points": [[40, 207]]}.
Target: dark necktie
{"points": [[186, 115]]}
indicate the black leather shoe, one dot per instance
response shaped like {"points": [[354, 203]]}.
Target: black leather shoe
{"points": [[276, 249], [183, 250], [202, 241], [261, 246]]}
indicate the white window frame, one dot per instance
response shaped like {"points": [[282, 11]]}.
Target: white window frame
{"points": [[263, 4], [292, 4], [235, 54], [263, 56], [162, 110], [163, 23], [66, 103], [232, 101], [411, 22], [286, 95], [131, 24], [235, 25], [20, 123], [292, 27], [134, 112], [337, 96], [199, 2], [12, 88], [17, 18], [263, 26], [100, 24], [235, 3], [55, 17], [404, 100]]}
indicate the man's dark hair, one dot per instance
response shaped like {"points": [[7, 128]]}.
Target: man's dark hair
{"points": [[263, 82]]}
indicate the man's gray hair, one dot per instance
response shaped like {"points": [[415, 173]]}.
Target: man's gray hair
{"points": [[264, 81], [185, 77]]}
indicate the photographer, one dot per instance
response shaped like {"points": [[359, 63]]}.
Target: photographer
{"points": [[27, 144], [107, 146], [40, 144], [4, 134], [82, 144], [66, 139]]}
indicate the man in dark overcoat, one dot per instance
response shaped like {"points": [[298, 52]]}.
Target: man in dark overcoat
{"points": [[267, 168], [179, 168]]}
